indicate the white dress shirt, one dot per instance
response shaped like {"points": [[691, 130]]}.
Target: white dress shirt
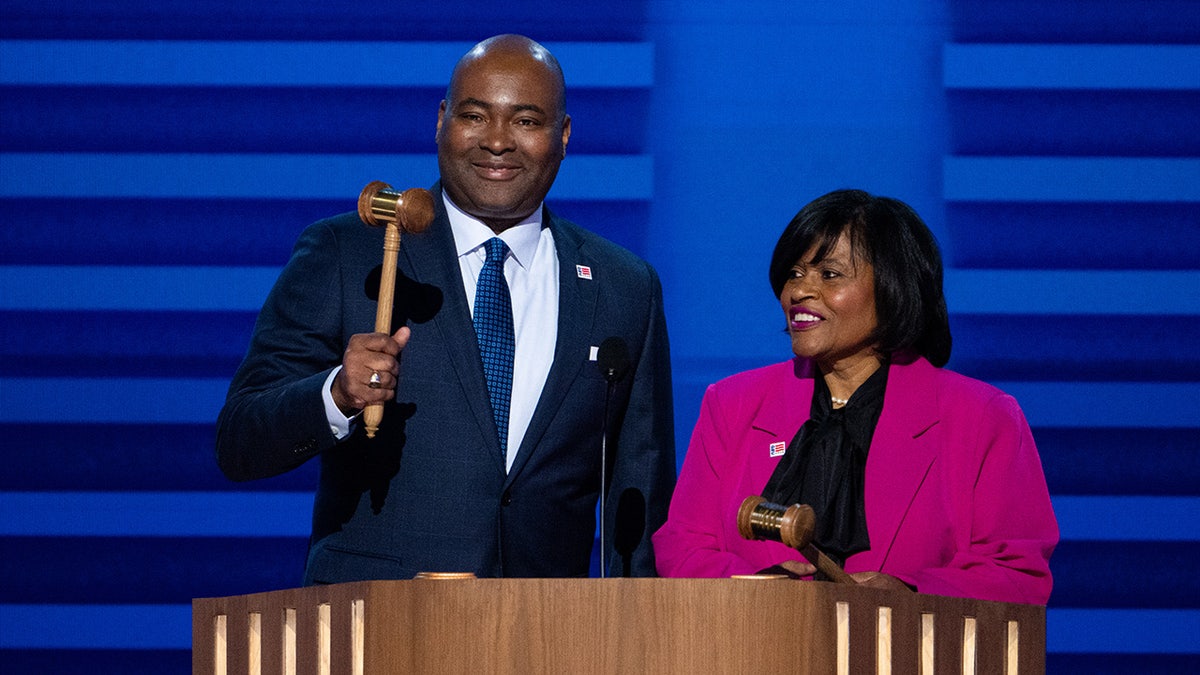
{"points": [[531, 270]]}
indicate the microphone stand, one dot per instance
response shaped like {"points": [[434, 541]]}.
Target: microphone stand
{"points": [[612, 358], [608, 391]]}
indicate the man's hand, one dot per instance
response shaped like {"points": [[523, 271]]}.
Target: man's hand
{"points": [[368, 354]]}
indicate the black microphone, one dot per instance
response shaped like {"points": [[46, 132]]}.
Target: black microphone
{"points": [[612, 359], [631, 525]]}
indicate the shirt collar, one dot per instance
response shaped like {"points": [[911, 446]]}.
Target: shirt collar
{"points": [[470, 233]]}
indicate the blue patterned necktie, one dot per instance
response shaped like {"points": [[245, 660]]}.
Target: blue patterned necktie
{"points": [[494, 329]]}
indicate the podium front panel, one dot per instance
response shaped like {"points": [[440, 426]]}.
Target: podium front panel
{"points": [[611, 626]]}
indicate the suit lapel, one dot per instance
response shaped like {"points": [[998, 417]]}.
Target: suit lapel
{"points": [[779, 417], [902, 451], [786, 408], [576, 311], [433, 258]]}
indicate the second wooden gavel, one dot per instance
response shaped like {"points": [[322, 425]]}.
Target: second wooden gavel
{"points": [[793, 526], [412, 210]]}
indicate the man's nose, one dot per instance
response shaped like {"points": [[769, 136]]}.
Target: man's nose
{"points": [[497, 137]]}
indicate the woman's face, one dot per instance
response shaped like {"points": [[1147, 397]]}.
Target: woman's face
{"points": [[830, 307]]}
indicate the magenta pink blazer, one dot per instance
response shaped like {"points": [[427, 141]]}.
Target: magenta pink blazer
{"points": [[956, 499]]}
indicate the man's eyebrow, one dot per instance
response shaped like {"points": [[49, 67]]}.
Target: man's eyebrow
{"points": [[520, 107], [473, 102]]}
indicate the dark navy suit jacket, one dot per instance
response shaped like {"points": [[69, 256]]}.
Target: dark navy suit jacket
{"points": [[430, 492]]}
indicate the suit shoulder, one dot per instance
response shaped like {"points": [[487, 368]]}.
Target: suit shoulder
{"points": [[757, 382], [960, 385], [337, 233], [347, 223], [962, 393], [595, 247], [761, 396]]}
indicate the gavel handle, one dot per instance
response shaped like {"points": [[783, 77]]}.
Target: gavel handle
{"points": [[373, 414], [826, 564]]}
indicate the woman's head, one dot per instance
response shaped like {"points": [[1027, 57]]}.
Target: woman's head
{"points": [[866, 239]]}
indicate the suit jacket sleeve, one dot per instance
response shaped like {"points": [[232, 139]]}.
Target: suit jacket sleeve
{"points": [[646, 461], [692, 543], [274, 419]]}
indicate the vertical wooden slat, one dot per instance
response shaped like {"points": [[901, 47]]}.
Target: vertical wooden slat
{"points": [[1012, 651], [220, 641], [843, 638], [358, 635], [928, 645], [968, 646], [323, 639], [289, 641], [254, 639], [883, 642]]}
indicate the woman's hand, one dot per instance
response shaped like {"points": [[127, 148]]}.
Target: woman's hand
{"points": [[886, 582]]}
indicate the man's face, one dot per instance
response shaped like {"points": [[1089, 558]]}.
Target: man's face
{"points": [[501, 137]]}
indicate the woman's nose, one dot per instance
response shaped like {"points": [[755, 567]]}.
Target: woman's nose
{"points": [[801, 287]]}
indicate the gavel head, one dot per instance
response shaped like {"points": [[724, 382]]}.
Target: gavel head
{"points": [[411, 210], [793, 525]]}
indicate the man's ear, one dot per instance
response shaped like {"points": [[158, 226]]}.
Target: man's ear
{"points": [[566, 133], [441, 115]]}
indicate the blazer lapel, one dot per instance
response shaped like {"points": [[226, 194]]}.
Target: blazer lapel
{"points": [[785, 409], [779, 417], [433, 258], [902, 451], [576, 312]]}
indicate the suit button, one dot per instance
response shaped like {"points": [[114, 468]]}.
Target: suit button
{"points": [[506, 498]]}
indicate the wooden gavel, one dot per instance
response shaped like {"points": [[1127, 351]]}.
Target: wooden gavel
{"points": [[412, 210], [793, 526]]}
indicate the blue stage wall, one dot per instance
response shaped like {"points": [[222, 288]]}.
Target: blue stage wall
{"points": [[158, 159]]}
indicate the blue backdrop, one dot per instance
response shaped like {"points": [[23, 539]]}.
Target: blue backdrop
{"points": [[158, 159]]}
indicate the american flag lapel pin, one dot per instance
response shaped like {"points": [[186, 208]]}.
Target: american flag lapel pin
{"points": [[583, 272], [778, 448]]}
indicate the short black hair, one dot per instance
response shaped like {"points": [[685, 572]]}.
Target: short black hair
{"points": [[909, 301]]}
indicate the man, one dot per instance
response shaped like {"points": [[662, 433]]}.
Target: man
{"points": [[449, 484]]}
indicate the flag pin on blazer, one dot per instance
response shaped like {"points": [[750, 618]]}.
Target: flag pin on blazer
{"points": [[583, 271], [778, 448]]}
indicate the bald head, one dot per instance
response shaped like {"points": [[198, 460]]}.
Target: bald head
{"points": [[511, 49]]}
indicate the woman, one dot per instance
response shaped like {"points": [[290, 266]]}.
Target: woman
{"points": [[920, 477]]}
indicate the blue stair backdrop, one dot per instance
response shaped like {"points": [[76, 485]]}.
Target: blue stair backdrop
{"points": [[1072, 188], [158, 159]]}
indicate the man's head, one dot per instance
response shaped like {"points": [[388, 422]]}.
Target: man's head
{"points": [[502, 129]]}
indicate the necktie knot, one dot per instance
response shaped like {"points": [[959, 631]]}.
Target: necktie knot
{"points": [[497, 251]]}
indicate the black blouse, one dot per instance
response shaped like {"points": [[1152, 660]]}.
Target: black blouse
{"points": [[825, 466]]}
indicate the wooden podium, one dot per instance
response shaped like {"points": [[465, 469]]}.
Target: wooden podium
{"points": [[611, 626]]}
